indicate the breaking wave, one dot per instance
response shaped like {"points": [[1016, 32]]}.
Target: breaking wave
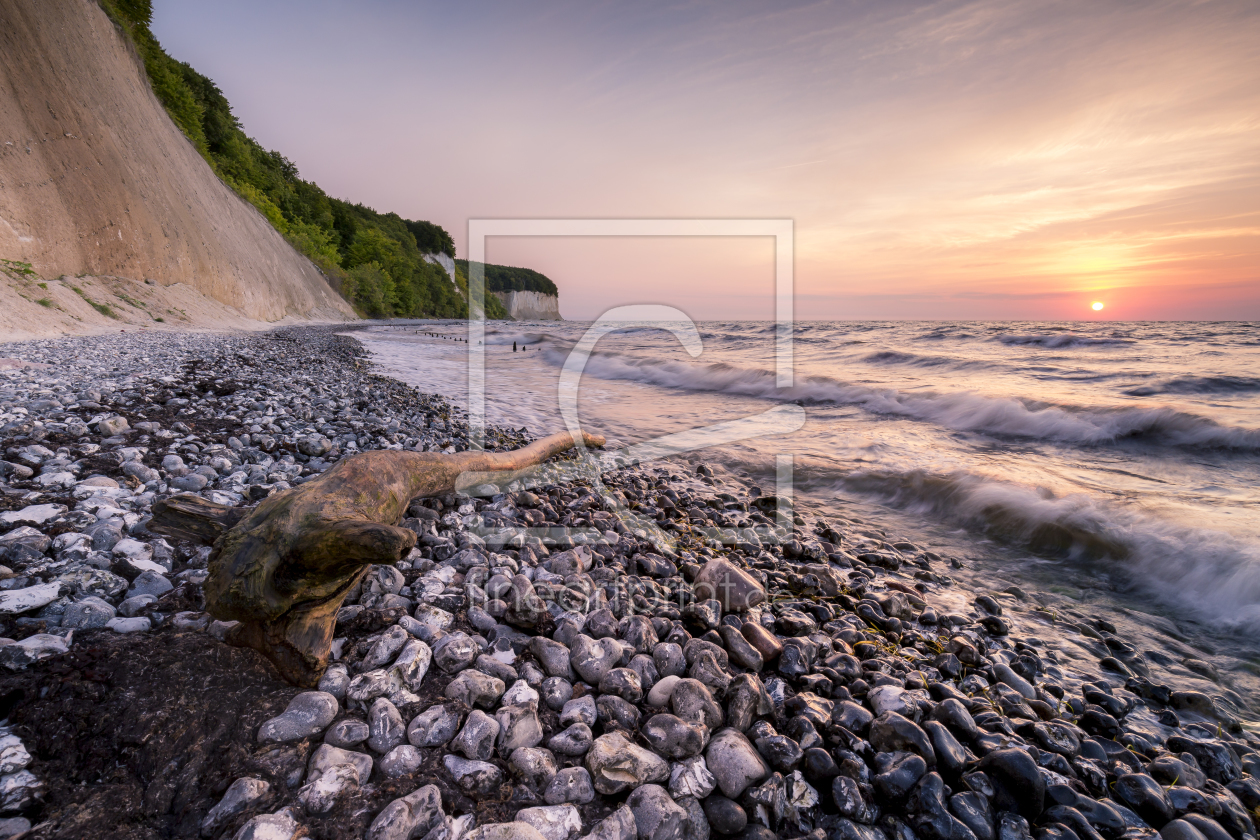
{"points": [[894, 357], [961, 411], [1212, 575], [502, 338], [1198, 385], [1057, 342]]}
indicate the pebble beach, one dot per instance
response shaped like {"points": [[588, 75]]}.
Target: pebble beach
{"points": [[665, 652]]}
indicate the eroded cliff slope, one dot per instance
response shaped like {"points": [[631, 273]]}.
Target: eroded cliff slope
{"points": [[96, 180]]}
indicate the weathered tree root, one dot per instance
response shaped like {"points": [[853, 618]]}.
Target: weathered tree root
{"points": [[283, 569]]}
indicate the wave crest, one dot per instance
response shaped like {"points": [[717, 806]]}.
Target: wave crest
{"points": [[895, 357], [1198, 385], [1057, 342], [1210, 574], [959, 411]]}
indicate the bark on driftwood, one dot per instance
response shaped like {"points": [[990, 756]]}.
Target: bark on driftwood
{"points": [[283, 569]]}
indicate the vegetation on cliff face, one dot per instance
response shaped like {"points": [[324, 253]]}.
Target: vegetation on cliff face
{"points": [[375, 259], [506, 278], [494, 308]]}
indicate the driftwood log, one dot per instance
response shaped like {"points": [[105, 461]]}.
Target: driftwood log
{"points": [[283, 569]]}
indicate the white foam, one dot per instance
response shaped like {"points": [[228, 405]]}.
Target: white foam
{"points": [[1209, 574], [959, 411]]}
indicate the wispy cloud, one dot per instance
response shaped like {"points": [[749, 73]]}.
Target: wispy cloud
{"points": [[1002, 151]]}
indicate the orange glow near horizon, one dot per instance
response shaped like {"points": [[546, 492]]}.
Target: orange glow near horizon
{"points": [[962, 159]]}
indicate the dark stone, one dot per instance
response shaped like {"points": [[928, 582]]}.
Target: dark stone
{"points": [[948, 665], [844, 666], [673, 737], [741, 652], [1215, 759], [669, 660], [844, 829], [616, 712], [895, 828], [746, 698], [1181, 830], [1232, 817], [639, 632], [812, 707], [622, 682], [951, 757], [601, 624], [1144, 795], [724, 815], [1108, 702], [1054, 762], [995, 626], [1206, 826], [1148, 690], [973, 811], [1186, 800], [852, 717], [954, 714], [1093, 750], [854, 801], [768, 800], [780, 752], [1073, 819], [1117, 752], [1248, 792], [1057, 737], [803, 731], [891, 732], [656, 815], [988, 604], [1100, 814], [1012, 827], [1061, 795], [818, 766], [796, 658], [928, 814], [853, 766], [1110, 663], [1095, 721], [991, 742], [1056, 831], [707, 668], [792, 622], [1092, 775], [980, 783], [898, 773], [1019, 784]]}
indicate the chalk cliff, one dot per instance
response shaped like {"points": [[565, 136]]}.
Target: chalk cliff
{"points": [[530, 306], [96, 180]]}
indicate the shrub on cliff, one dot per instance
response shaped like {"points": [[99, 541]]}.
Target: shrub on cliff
{"points": [[506, 278]]}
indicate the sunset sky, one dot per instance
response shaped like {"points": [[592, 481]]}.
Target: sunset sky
{"points": [[940, 160]]}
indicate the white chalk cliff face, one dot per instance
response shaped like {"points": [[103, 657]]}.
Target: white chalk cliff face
{"points": [[446, 262], [530, 306], [95, 179]]}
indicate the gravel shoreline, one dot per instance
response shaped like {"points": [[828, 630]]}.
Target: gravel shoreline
{"points": [[581, 681]]}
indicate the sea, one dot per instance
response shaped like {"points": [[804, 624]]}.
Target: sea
{"points": [[1111, 468]]}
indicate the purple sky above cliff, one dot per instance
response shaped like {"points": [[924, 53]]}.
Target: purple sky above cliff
{"points": [[940, 160]]}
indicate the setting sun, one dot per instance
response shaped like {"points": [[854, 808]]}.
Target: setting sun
{"points": [[1096, 306]]}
